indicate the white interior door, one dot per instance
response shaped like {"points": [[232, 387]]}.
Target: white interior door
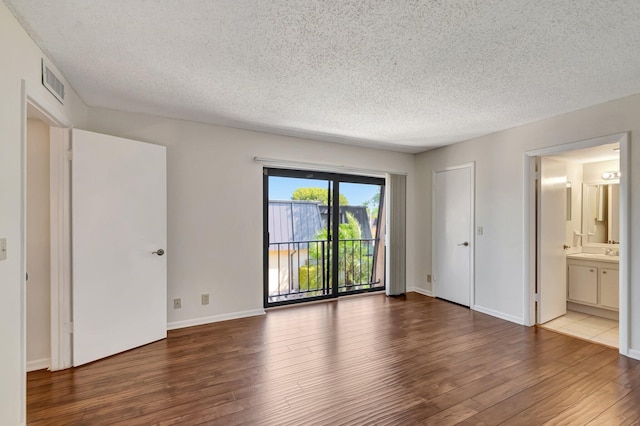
{"points": [[118, 221], [552, 225], [452, 234]]}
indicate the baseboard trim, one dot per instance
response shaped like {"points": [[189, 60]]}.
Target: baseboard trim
{"points": [[634, 353], [38, 364], [420, 291], [214, 318], [593, 310], [497, 314]]}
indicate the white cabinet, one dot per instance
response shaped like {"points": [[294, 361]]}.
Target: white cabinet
{"points": [[583, 284], [609, 288], [593, 283]]}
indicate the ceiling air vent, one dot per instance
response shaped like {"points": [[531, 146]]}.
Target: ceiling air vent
{"points": [[51, 82]]}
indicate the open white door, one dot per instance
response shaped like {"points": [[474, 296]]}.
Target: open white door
{"points": [[452, 234], [118, 222], [552, 225]]}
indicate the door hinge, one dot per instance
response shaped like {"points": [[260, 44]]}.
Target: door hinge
{"points": [[70, 155], [69, 327], [537, 297]]}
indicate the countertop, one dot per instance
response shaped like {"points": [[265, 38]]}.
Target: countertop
{"points": [[594, 256]]}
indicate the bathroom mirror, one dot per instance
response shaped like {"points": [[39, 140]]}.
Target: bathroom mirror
{"points": [[601, 213]]}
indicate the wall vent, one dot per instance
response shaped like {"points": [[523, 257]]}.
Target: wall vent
{"points": [[51, 82]]}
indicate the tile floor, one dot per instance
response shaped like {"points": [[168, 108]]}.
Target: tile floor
{"points": [[585, 326]]}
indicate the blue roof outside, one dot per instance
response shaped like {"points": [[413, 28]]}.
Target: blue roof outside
{"points": [[299, 221], [293, 221]]}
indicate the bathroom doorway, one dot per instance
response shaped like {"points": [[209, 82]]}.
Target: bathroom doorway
{"points": [[577, 241]]}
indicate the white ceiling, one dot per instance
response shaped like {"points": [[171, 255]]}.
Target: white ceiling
{"points": [[404, 75]]}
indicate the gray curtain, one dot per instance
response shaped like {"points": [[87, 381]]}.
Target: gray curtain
{"points": [[396, 235]]}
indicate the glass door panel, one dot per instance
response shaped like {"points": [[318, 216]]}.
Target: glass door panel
{"points": [[358, 238], [298, 241]]}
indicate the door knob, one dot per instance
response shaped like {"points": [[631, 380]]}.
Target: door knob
{"points": [[160, 252], [466, 243]]}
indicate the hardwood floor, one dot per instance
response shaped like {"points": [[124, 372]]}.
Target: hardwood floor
{"points": [[366, 360]]}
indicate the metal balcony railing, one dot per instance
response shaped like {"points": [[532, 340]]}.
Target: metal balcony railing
{"points": [[303, 269]]}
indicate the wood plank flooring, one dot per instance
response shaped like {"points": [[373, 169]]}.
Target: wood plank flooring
{"points": [[366, 360]]}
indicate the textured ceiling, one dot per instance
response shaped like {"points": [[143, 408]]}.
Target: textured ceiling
{"points": [[405, 75]]}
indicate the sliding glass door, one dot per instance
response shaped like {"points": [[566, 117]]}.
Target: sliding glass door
{"points": [[322, 235]]}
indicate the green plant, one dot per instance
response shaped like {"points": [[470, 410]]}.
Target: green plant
{"points": [[316, 194], [372, 206], [309, 278], [354, 265]]}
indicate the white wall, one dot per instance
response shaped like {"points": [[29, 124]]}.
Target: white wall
{"points": [[215, 204], [20, 60], [38, 246], [592, 172], [500, 183]]}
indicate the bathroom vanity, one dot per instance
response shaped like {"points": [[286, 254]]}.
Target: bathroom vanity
{"points": [[593, 283]]}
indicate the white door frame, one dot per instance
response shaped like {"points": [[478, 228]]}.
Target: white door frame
{"points": [[472, 235], [625, 236], [60, 177], [50, 111]]}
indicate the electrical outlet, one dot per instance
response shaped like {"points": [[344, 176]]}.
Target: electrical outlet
{"points": [[177, 303], [205, 299], [428, 278]]}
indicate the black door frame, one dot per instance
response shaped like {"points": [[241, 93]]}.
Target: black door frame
{"points": [[333, 212]]}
